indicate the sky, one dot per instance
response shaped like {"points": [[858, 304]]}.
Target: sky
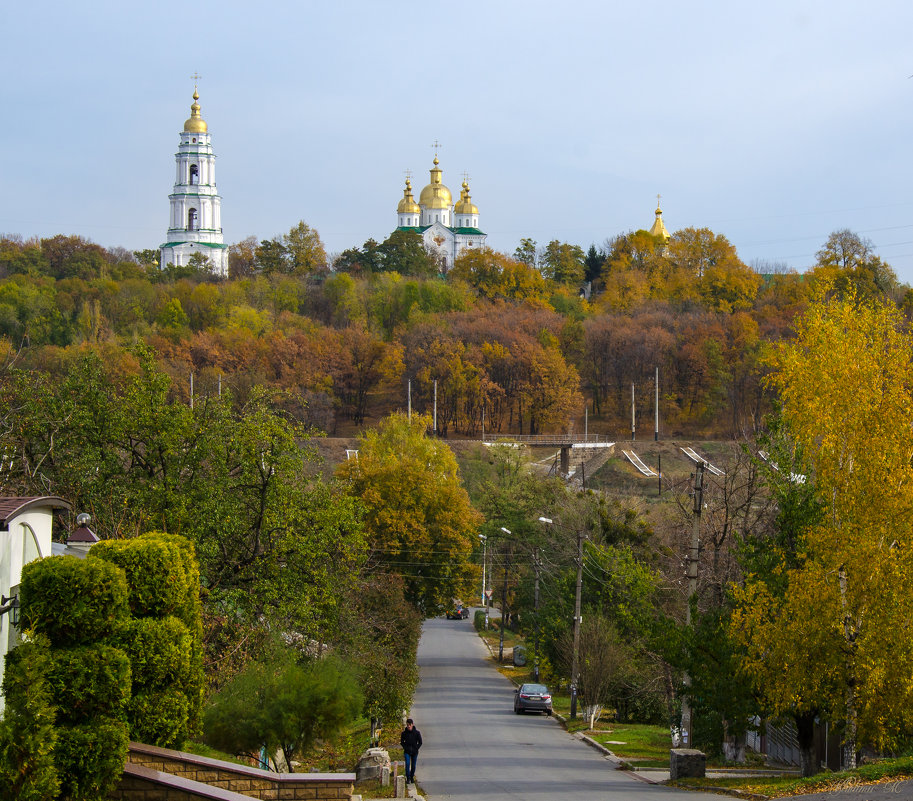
{"points": [[773, 124]]}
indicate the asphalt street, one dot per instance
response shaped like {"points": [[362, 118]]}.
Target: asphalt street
{"points": [[476, 748]]}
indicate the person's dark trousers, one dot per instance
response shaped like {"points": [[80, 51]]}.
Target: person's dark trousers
{"points": [[410, 766]]}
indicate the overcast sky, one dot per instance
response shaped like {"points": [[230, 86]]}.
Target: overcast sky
{"points": [[772, 123]]}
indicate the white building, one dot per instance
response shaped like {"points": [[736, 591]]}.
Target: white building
{"points": [[446, 229], [25, 535], [195, 224]]}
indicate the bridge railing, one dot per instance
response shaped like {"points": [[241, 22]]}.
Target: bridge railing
{"points": [[551, 439]]}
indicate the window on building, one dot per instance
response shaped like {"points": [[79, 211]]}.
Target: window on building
{"points": [[194, 174], [192, 220]]}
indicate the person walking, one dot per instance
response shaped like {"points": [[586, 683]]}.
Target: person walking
{"points": [[411, 741]]}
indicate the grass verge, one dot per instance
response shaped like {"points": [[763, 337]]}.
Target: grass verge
{"points": [[885, 771]]}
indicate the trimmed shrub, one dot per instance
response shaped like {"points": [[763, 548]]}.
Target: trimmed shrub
{"points": [[159, 651], [27, 733], [160, 717], [88, 682], [478, 619], [165, 639], [156, 573], [90, 758], [73, 601]]}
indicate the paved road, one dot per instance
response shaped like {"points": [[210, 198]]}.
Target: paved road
{"points": [[477, 749]]}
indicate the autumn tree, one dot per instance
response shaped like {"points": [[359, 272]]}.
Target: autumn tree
{"points": [[418, 517], [304, 250], [366, 361], [527, 252], [563, 262], [404, 252], [835, 639], [242, 258], [848, 261], [495, 275]]}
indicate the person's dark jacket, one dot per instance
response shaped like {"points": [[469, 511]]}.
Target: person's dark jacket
{"points": [[411, 741]]}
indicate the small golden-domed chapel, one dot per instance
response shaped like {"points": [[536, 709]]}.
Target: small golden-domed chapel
{"points": [[447, 229]]}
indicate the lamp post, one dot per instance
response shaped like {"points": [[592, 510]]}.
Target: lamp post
{"points": [[577, 616], [503, 607], [484, 540]]}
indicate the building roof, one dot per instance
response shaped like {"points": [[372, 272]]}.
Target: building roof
{"points": [[12, 506]]}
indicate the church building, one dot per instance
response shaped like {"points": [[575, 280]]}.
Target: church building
{"points": [[196, 207], [446, 229]]}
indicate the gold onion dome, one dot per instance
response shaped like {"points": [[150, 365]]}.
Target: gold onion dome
{"points": [[659, 228], [435, 195], [408, 205], [196, 124], [465, 206]]}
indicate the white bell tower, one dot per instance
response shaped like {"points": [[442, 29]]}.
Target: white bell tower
{"points": [[196, 207]]}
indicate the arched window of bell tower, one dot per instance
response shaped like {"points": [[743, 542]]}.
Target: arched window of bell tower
{"points": [[192, 220], [194, 174]]}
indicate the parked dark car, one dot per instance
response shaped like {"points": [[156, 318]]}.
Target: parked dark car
{"points": [[535, 697], [459, 612]]}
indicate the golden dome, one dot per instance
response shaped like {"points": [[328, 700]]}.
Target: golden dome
{"points": [[408, 205], [196, 124], [435, 195], [658, 228], [465, 205]]}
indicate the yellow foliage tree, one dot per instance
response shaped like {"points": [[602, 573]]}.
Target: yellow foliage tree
{"points": [[419, 519], [838, 640]]}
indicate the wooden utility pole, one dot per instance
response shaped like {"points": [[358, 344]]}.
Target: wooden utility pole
{"points": [[693, 555], [632, 412], [656, 403], [536, 565], [577, 621]]}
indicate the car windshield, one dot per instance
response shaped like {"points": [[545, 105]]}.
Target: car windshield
{"points": [[540, 689]]}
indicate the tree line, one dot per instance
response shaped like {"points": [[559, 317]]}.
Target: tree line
{"points": [[510, 342]]}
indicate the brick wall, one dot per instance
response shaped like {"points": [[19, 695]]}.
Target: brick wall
{"points": [[226, 776]]}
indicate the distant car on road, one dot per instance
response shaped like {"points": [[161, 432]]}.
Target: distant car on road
{"points": [[535, 697], [459, 612]]}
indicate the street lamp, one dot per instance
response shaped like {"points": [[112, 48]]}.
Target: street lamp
{"points": [[577, 616]]}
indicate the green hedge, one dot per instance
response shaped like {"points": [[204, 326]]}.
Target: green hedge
{"points": [[73, 601], [156, 573], [90, 758], [478, 619], [159, 651], [161, 717], [165, 638], [27, 732], [89, 681]]}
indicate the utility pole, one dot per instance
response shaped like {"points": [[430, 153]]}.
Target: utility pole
{"points": [[536, 605], [435, 406], [656, 423], [694, 553], [577, 621], [632, 412], [484, 563], [503, 606], [409, 397]]}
